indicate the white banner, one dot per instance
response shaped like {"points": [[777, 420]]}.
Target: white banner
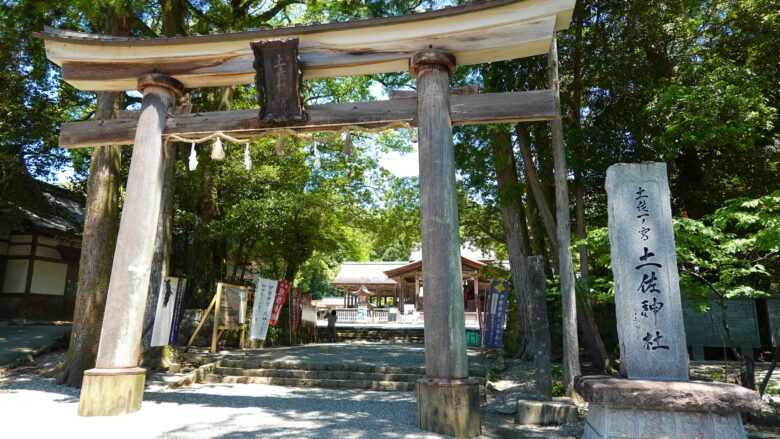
{"points": [[163, 316], [308, 313], [261, 310]]}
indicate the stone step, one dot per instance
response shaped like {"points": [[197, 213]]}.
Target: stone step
{"points": [[307, 382], [378, 334], [236, 363], [350, 337], [344, 367], [317, 374]]}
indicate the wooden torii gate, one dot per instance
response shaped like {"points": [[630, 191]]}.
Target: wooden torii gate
{"points": [[428, 44]]}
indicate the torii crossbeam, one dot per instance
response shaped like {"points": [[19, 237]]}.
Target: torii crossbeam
{"points": [[429, 45]]}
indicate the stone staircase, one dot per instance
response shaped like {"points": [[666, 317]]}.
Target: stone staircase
{"points": [[330, 376], [395, 335], [341, 376]]}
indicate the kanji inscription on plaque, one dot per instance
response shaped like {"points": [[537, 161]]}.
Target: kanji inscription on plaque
{"points": [[279, 80]]}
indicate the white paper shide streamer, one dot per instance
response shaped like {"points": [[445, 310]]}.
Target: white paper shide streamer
{"points": [[247, 158], [193, 158], [316, 154]]}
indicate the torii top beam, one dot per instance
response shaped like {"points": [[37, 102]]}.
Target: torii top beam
{"points": [[483, 32]]}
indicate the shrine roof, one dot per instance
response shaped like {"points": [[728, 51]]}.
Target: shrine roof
{"points": [[365, 273], [476, 33], [414, 267]]}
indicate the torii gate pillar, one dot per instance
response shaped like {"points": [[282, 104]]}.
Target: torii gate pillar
{"points": [[116, 385], [447, 400]]}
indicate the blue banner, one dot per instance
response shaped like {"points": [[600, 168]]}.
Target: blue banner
{"points": [[496, 314]]}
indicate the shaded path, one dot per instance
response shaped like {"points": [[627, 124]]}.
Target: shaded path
{"points": [[24, 341]]}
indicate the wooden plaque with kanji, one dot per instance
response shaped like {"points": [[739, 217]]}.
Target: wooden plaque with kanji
{"points": [[279, 80]]}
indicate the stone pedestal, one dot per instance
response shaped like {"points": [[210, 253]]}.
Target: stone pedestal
{"points": [[559, 411], [641, 409], [449, 406], [111, 392]]}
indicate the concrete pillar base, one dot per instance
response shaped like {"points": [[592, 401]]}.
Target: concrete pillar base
{"points": [[449, 406], [112, 392]]}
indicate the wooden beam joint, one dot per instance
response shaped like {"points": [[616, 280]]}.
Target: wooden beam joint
{"points": [[160, 80], [431, 57]]}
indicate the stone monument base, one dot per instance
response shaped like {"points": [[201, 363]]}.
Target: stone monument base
{"points": [[642, 409], [449, 406], [559, 411], [111, 392]]}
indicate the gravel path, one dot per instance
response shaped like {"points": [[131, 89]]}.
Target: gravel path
{"points": [[36, 407], [33, 406]]}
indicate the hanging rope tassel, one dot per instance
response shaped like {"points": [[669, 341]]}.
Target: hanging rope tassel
{"points": [[348, 144], [247, 159], [217, 152], [280, 146], [193, 158]]}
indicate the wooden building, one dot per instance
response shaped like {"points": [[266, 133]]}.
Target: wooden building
{"points": [[40, 246], [411, 283], [395, 284], [365, 283]]}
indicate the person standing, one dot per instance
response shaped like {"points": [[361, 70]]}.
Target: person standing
{"points": [[332, 326]]}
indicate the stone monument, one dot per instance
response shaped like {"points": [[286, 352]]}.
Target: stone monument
{"points": [[656, 400]]}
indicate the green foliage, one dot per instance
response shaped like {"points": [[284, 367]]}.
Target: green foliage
{"points": [[556, 371], [732, 253], [771, 389]]}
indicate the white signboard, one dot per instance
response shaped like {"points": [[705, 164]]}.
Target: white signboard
{"points": [[163, 316], [261, 311]]}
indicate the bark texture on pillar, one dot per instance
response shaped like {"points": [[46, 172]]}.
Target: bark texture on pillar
{"points": [[571, 359], [445, 329], [447, 402], [127, 290]]}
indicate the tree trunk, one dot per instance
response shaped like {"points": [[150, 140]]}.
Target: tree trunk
{"points": [[571, 359], [101, 223], [515, 230], [174, 14], [98, 242], [586, 321], [208, 250], [581, 233], [768, 375], [532, 179], [590, 331], [539, 245]]}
